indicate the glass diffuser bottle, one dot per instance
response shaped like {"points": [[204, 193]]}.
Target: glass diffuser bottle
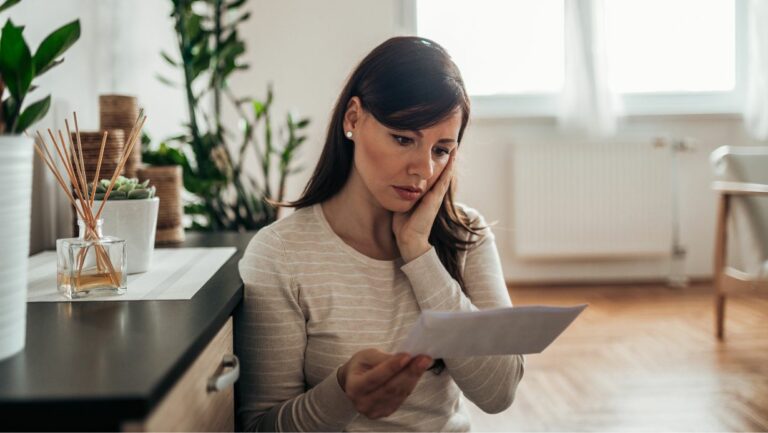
{"points": [[91, 264]]}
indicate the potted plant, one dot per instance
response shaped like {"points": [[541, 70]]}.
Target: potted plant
{"points": [[166, 166], [226, 195], [131, 214], [18, 69]]}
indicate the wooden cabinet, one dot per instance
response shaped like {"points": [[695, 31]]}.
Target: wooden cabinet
{"points": [[194, 403], [112, 366]]}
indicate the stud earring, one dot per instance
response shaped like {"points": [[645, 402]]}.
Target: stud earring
{"points": [[349, 134]]}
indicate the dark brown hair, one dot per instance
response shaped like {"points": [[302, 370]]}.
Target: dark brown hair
{"points": [[406, 83]]}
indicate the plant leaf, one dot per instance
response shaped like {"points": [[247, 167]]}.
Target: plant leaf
{"points": [[117, 195], [32, 114], [54, 45], [166, 81], [16, 65], [258, 109], [168, 58], [138, 194], [164, 155], [238, 20], [235, 4], [7, 4]]}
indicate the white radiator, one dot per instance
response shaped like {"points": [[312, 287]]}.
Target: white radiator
{"points": [[591, 200]]}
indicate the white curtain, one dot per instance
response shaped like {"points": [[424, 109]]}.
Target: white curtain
{"points": [[588, 106], [756, 109]]}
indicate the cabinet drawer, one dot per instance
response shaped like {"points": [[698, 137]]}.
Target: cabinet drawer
{"points": [[190, 405]]}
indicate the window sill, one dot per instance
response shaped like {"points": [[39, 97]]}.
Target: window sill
{"points": [[544, 107]]}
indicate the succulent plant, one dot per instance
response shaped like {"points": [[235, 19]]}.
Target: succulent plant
{"points": [[124, 189]]}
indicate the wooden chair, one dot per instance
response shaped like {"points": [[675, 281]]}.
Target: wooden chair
{"points": [[741, 175]]}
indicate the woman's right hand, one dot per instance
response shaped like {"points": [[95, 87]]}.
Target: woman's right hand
{"points": [[378, 382]]}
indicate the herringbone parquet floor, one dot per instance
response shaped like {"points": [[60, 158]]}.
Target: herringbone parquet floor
{"points": [[643, 358]]}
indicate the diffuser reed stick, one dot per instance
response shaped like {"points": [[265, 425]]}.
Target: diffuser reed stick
{"points": [[76, 184]]}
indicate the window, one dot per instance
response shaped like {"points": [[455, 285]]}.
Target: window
{"points": [[671, 46], [664, 56], [501, 46]]}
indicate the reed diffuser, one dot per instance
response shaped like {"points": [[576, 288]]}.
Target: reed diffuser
{"points": [[91, 264]]}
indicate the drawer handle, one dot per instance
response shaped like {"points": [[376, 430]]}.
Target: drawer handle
{"points": [[221, 381]]}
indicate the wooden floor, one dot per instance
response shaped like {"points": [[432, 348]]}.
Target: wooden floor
{"points": [[643, 358]]}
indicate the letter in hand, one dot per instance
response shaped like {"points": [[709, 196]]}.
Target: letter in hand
{"points": [[378, 382]]}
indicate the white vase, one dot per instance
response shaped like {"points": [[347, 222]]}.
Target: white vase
{"points": [[136, 222], [16, 198]]}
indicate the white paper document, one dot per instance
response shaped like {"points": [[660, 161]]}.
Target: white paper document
{"points": [[175, 273], [499, 331]]}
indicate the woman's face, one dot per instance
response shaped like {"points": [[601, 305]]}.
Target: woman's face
{"points": [[390, 162]]}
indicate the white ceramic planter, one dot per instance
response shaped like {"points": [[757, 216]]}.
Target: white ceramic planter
{"points": [[15, 195], [136, 222]]}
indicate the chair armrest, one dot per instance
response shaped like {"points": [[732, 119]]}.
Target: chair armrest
{"points": [[740, 188]]}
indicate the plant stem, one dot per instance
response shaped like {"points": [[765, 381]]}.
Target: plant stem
{"points": [[249, 137], [2, 118], [217, 82], [15, 116], [187, 65], [186, 60], [267, 152]]}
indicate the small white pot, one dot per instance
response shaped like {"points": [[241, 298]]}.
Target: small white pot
{"points": [[16, 198], [136, 222]]}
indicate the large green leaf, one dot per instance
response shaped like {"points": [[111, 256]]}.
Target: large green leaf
{"points": [[7, 4], [32, 114], [54, 45], [16, 66]]}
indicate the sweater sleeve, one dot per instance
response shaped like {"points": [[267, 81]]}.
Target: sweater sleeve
{"points": [[271, 339], [488, 381]]}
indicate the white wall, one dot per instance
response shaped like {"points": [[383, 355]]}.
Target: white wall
{"points": [[307, 49], [487, 148]]}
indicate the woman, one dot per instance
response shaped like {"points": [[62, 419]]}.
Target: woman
{"points": [[332, 289]]}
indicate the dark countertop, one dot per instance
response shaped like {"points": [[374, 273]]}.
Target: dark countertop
{"points": [[92, 365]]}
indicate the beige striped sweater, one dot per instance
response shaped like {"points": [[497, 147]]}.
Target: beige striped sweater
{"points": [[312, 301]]}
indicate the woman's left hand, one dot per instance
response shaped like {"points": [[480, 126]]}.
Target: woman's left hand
{"points": [[412, 228]]}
